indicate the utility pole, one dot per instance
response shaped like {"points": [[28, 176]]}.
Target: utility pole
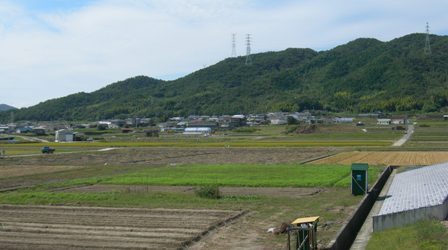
{"points": [[12, 117], [248, 57]]}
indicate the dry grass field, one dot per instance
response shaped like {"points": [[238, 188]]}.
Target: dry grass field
{"points": [[52, 227], [403, 158], [16, 171]]}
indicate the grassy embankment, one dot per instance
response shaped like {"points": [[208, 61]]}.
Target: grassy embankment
{"points": [[423, 235]]}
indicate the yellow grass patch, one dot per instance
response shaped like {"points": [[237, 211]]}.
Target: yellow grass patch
{"points": [[403, 158]]}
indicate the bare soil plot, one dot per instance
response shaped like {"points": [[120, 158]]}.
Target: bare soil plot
{"points": [[403, 158], [50, 227], [228, 191], [158, 156]]}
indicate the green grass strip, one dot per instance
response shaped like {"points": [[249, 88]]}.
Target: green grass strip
{"points": [[419, 236], [251, 175]]}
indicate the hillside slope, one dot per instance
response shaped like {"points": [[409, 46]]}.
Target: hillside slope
{"points": [[363, 75], [6, 107]]}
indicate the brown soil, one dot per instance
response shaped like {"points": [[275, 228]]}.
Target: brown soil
{"points": [[15, 171], [227, 191], [157, 156], [51, 227]]}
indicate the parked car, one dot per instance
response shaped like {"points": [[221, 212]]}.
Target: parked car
{"points": [[47, 150]]}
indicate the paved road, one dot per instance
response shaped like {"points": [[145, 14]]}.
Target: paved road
{"points": [[60, 153], [366, 230], [405, 138]]}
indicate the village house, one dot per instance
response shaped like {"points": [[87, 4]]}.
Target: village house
{"points": [[64, 135], [4, 129], [383, 121], [277, 118], [107, 124], [398, 121], [256, 119], [237, 121]]}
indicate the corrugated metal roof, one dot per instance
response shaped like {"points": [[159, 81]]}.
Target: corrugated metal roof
{"points": [[417, 188], [305, 220]]}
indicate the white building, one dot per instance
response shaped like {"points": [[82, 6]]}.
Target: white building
{"points": [[197, 131], [344, 119], [383, 121], [63, 135], [398, 121], [279, 121]]}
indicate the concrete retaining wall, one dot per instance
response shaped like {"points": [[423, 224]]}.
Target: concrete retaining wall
{"points": [[385, 221], [347, 234]]}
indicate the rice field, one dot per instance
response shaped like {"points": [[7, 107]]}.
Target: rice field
{"points": [[401, 158]]}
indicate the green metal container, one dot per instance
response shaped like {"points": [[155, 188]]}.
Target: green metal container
{"points": [[359, 178]]}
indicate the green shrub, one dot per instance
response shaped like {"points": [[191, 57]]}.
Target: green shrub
{"points": [[208, 191], [245, 130]]}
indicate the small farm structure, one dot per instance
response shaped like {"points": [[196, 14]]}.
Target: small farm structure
{"points": [[63, 135], [304, 233], [415, 195], [359, 178]]}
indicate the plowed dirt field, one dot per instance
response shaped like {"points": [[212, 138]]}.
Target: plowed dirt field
{"points": [[57, 227]]}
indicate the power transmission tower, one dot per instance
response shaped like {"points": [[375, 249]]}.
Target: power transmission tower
{"points": [[427, 49], [248, 57], [233, 45]]}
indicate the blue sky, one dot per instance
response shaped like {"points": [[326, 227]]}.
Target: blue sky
{"points": [[52, 48], [52, 5]]}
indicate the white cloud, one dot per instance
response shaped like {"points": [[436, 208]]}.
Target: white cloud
{"points": [[51, 54]]}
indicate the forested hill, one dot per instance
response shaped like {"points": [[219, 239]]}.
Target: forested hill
{"points": [[5, 107], [363, 75]]}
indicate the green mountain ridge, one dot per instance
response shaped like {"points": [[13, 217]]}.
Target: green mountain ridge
{"points": [[6, 107], [363, 75]]}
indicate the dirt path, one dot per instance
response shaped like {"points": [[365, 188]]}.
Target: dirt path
{"points": [[405, 138], [31, 139], [364, 234]]}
